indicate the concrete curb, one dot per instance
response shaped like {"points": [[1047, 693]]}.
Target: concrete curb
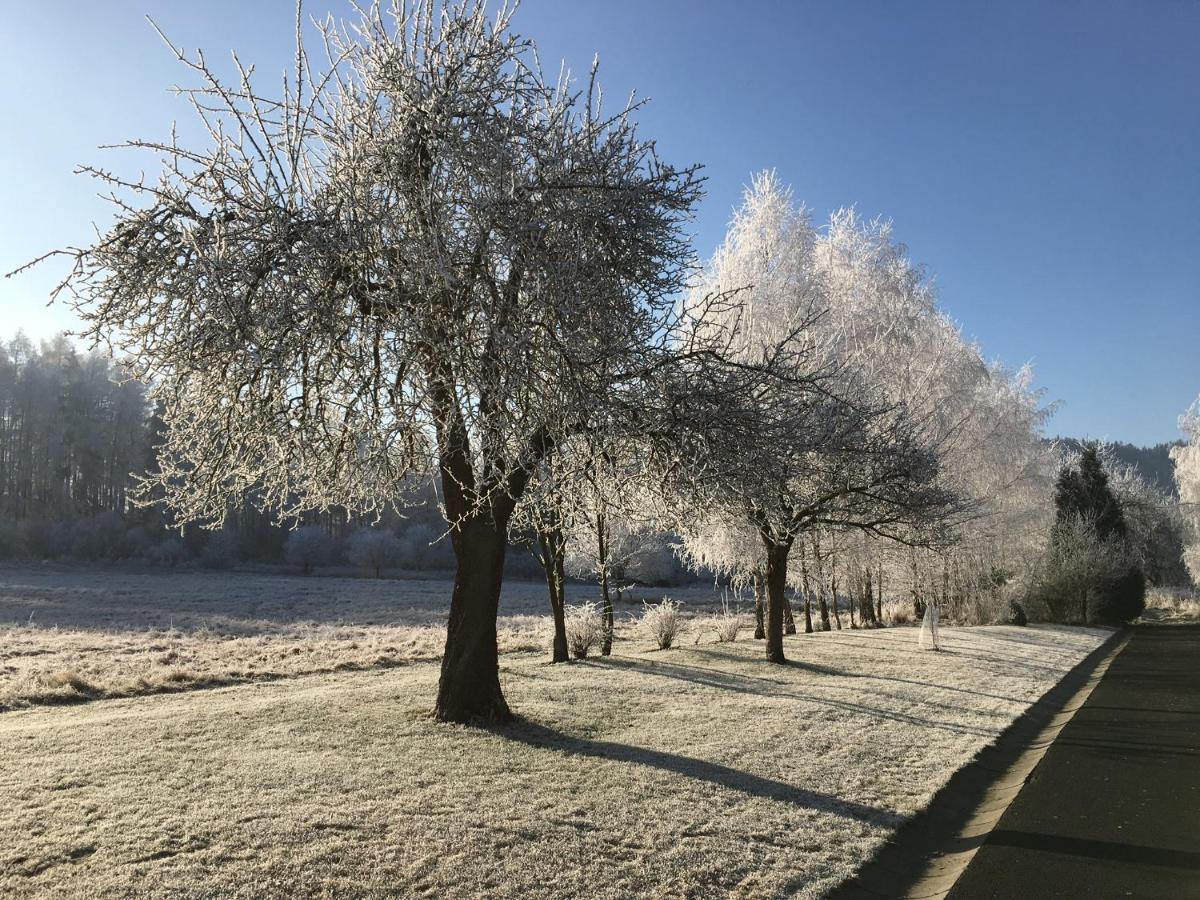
{"points": [[928, 853]]}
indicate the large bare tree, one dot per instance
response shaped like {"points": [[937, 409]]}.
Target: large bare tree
{"points": [[429, 258]]}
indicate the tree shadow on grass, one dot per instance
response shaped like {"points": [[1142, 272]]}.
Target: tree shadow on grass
{"points": [[771, 688], [535, 734], [842, 673]]}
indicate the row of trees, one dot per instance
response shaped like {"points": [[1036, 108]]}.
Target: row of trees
{"points": [[434, 262]]}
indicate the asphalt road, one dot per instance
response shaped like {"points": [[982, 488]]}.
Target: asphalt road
{"points": [[1113, 809]]}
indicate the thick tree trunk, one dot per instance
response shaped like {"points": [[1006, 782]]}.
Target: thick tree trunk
{"points": [[776, 578], [759, 629], [823, 608], [469, 688], [551, 544]]}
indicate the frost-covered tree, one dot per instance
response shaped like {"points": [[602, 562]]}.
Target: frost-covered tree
{"points": [[374, 549], [428, 259], [1187, 482], [308, 547], [825, 447]]}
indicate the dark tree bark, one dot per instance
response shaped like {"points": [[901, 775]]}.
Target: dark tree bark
{"points": [[918, 604], [833, 598], [776, 579], [551, 553], [759, 629], [804, 586], [879, 594], [469, 687], [823, 609], [866, 600], [789, 622], [605, 594]]}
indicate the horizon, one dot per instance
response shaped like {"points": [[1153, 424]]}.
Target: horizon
{"points": [[1039, 162]]}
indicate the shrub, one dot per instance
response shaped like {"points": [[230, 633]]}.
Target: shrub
{"points": [[1014, 614], [662, 622], [12, 541], [728, 625], [585, 628], [1118, 599], [100, 537], [308, 547], [170, 551], [221, 550], [375, 549], [897, 612]]}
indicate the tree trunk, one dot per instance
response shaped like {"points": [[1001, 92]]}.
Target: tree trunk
{"points": [[776, 578], [759, 632], [879, 594], [469, 687], [605, 595], [867, 600], [918, 606], [823, 609], [789, 623], [551, 544], [804, 586], [833, 598]]}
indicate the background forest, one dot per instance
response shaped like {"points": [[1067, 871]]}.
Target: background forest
{"points": [[76, 436]]}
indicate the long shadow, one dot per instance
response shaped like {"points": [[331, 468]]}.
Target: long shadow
{"points": [[535, 734], [819, 669], [1094, 849], [742, 685]]}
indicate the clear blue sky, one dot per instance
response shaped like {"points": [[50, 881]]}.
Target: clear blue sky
{"points": [[1042, 159]]}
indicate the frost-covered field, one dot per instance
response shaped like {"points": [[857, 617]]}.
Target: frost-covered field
{"points": [[71, 633], [698, 771]]}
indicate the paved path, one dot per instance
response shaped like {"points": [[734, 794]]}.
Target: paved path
{"points": [[1113, 808]]}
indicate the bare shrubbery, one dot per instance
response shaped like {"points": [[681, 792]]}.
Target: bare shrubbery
{"points": [[375, 549], [897, 612], [585, 628], [308, 547], [728, 623], [662, 622]]}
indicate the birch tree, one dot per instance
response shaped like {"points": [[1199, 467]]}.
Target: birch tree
{"points": [[824, 448]]}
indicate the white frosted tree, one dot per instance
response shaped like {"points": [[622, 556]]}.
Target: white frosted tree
{"points": [[825, 447], [1187, 481], [430, 259]]}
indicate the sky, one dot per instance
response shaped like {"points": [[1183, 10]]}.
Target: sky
{"points": [[1041, 160]]}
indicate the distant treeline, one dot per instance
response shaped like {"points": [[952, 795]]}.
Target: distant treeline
{"points": [[74, 435]]}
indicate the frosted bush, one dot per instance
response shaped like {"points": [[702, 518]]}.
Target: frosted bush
{"points": [[375, 549], [585, 628], [728, 623], [897, 612], [308, 547], [662, 622], [221, 551]]}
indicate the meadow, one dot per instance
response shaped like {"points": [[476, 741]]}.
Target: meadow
{"points": [[310, 765]]}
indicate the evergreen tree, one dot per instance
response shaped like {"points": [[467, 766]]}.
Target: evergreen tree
{"points": [[1083, 492], [1090, 558]]}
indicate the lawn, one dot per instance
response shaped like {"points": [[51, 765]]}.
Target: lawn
{"points": [[697, 771]]}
